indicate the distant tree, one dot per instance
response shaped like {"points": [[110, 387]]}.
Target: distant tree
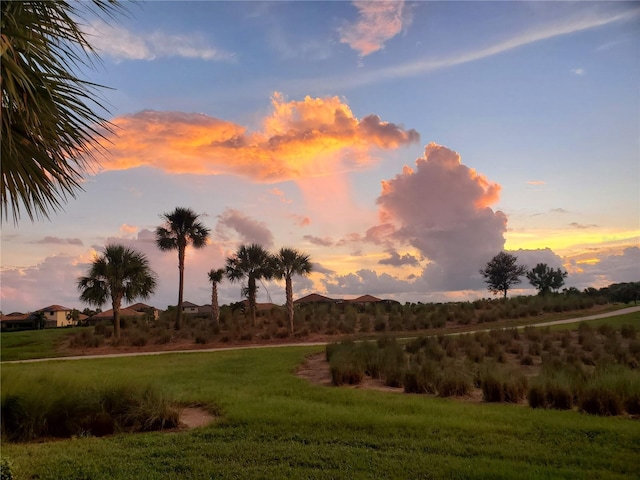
{"points": [[624, 292], [180, 229], [121, 273], [51, 120], [215, 277], [546, 279], [289, 262], [73, 316], [502, 272], [40, 320], [254, 263]]}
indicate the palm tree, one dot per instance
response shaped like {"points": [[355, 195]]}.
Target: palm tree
{"points": [[180, 229], [50, 125], [291, 262], [254, 263], [215, 277], [120, 273]]}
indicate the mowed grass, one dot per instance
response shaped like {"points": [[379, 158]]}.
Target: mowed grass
{"points": [[35, 343], [617, 321], [273, 424]]}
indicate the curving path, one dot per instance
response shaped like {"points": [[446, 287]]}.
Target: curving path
{"points": [[614, 313]]}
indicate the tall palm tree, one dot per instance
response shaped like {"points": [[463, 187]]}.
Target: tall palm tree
{"points": [[50, 125], [291, 262], [180, 229], [254, 263], [120, 273], [215, 277]]}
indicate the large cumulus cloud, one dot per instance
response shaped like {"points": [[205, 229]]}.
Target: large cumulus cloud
{"points": [[442, 208]]}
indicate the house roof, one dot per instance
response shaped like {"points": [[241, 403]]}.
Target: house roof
{"points": [[55, 308], [124, 312], [364, 299], [15, 317], [188, 304], [139, 307], [314, 298]]}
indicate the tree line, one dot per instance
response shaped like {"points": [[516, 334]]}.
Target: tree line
{"points": [[122, 273]]}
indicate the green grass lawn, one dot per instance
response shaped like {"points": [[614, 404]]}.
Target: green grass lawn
{"points": [[616, 322], [35, 343], [275, 425]]}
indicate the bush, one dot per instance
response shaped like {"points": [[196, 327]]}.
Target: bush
{"points": [[344, 368], [598, 400], [54, 410], [500, 385]]}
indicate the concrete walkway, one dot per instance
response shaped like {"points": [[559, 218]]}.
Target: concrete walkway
{"points": [[614, 313]]}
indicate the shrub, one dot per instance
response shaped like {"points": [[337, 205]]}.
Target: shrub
{"points": [[54, 410], [501, 385], [453, 382], [344, 368], [598, 400], [5, 470], [526, 360], [628, 331]]}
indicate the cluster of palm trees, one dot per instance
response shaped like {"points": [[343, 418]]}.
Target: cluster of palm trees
{"points": [[122, 273]]}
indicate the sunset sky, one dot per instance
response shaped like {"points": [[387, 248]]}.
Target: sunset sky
{"points": [[401, 144]]}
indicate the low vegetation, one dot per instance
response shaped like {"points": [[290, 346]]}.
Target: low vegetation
{"points": [[63, 407], [592, 369], [273, 424]]}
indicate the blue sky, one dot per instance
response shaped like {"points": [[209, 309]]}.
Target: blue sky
{"points": [[299, 124]]}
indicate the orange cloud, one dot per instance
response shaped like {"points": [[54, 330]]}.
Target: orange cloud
{"points": [[313, 137]]}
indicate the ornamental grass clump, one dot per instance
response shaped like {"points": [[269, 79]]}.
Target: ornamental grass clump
{"points": [[57, 409], [500, 384]]}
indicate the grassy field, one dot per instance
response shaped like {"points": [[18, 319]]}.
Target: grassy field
{"points": [[275, 425], [616, 322], [35, 343]]}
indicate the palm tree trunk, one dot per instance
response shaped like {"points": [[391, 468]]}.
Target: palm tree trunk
{"points": [[252, 299], [289, 293], [215, 308], [181, 251], [115, 305]]}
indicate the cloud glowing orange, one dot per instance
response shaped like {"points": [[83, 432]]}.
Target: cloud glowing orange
{"points": [[300, 139]]}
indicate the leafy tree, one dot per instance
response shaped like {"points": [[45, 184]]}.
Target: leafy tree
{"points": [[215, 277], [181, 228], [254, 263], [546, 279], [121, 273], [289, 262], [73, 316], [50, 128], [502, 272], [624, 292]]}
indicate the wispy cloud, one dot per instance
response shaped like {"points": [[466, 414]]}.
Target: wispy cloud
{"points": [[578, 71], [59, 241], [536, 182], [378, 22], [121, 44], [561, 27]]}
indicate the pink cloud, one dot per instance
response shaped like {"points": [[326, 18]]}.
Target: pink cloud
{"points": [[378, 22], [249, 230]]}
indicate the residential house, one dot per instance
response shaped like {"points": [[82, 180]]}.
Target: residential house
{"points": [[57, 316], [315, 298], [17, 321], [189, 308]]}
